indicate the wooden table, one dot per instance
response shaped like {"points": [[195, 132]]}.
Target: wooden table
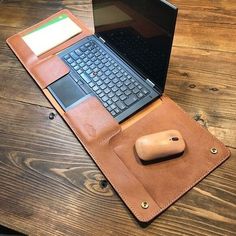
{"points": [[48, 183]]}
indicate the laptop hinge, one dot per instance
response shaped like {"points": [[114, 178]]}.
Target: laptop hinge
{"points": [[101, 39], [150, 83]]}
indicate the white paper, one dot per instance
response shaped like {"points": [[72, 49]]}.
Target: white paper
{"points": [[52, 35]]}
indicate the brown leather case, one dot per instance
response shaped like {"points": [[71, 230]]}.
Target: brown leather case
{"points": [[147, 190]]}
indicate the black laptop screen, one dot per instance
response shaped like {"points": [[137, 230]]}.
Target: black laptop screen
{"points": [[140, 31]]}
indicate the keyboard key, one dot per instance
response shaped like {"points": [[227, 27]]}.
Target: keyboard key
{"points": [[135, 90], [85, 67], [79, 71], [123, 97], [107, 72], [119, 84], [104, 60], [107, 81], [101, 94], [78, 52], [83, 48], [130, 100], [117, 110], [88, 71], [85, 78], [114, 89], [127, 92], [131, 86], [140, 95], [113, 113], [111, 94], [118, 93], [70, 60], [76, 67], [127, 82], [98, 91], [66, 57], [103, 86], [107, 90], [95, 88], [112, 76], [82, 64], [95, 79], [78, 61], [118, 74], [109, 109], [91, 84], [144, 90], [115, 99], [99, 82], [110, 85], [121, 105], [113, 106], [100, 65], [104, 69], [74, 56], [115, 71], [104, 98], [123, 88], [73, 64]]}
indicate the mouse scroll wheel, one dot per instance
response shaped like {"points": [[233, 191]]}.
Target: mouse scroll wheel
{"points": [[174, 138]]}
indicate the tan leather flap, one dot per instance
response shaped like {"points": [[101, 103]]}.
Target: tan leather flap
{"points": [[91, 121], [22, 51], [49, 70]]}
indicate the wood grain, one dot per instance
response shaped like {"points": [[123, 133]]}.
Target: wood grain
{"points": [[50, 186]]}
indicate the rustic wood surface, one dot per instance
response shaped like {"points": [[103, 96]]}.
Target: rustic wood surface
{"points": [[48, 183]]}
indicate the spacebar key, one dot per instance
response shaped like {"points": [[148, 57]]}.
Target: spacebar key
{"points": [[131, 99], [85, 78]]}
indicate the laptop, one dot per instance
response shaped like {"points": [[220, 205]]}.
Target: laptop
{"points": [[124, 64]]}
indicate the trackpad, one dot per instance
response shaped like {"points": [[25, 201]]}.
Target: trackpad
{"points": [[66, 91]]}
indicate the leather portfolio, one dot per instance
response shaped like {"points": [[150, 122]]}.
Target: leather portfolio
{"points": [[149, 189]]}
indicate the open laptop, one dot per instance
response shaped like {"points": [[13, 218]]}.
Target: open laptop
{"points": [[124, 64]]}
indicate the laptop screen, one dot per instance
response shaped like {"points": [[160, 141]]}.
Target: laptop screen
{"points": [[140, 31]]}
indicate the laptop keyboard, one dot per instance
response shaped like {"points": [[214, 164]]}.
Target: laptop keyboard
{"points": [[110, 82]]}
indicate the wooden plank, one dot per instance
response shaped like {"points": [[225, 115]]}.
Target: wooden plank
{"points": [[53, 172], [40, 10]]}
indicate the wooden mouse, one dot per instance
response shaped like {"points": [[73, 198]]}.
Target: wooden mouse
{"points": [[159, 145]]}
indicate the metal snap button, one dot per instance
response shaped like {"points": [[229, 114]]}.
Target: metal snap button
{"points": [[144, 205], [214, 150], [51, 116]]}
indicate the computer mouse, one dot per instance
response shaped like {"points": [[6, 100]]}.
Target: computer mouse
{"points": [[159, 145]]}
